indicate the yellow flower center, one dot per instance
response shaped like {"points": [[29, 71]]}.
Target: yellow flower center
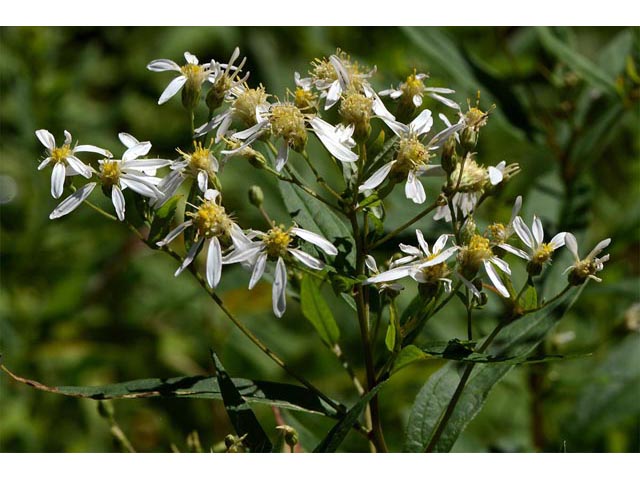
{"points": [[542, 254], [245, 104], [411, 154], [304, 99], [277, 241], [412, 86], [435, 272], [59, 154], [474, 176], [474, 252], [287, 121], [110, 172], [476, 118], [200, 158], [211, 220], [195, 75], [498, 232]]}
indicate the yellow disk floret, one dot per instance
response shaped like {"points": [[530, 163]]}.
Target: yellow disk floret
{"points": [[211, 220], [59, 154], [287, 122], [277, 242], [110, 172]]}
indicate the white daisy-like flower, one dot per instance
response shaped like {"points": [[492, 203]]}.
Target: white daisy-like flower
{"points": [[414, 90], [423, 264], [224, 77], [500, 233], [539, 252], [215, 231], [477, 253], [276, 245], [586, 268], [372, 267], [191, 72], [412, 158], [118, 175], [65, 162], [289, 124]]}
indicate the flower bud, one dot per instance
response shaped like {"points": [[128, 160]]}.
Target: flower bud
{"points": [[290, 435], [469, 139], [534, 268], [449, 156], [256, 197]]}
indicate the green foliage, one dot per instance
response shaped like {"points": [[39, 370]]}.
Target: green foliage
{"points": [[317, 311]]}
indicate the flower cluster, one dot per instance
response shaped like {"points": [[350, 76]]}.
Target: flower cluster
{"points": [[246, 121]]}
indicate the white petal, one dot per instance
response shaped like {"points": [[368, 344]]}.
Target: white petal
{"points": [[598, 248], [343, 75], [326, 133], [163, 65], [501, 264], [283, 156], [72, 202], [173, 234], [370, 263], [93, 149], [79, 167], [417, 100], [279, 297], [523, 232], [444, 100], [318, 240], [137, 150], [422, 123], [307, 259], [439, 258], [117, 198], [57, 180], [495, 175], [444, 119], [191, 58], [414, 190], [439, 90], [174, 87], [469, 285], [243, 253], [377, 178], [389, 275], [258, 270], [211, 194], [251, 131], [333, 95], [44, 163], [440, 242], [189, 258], [410, 250], [203, 180], [422, 242], [214, 262], [495, 279], [46, 138], [516, 251], [538, 233], [147, 164], [442, 136], [397, 127], [558, 240], [139, 185], [572, 245], [127, 139], [517, 205]]}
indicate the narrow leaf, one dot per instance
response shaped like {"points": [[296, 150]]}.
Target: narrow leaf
{"points": [[315, 309], [161, 224]]}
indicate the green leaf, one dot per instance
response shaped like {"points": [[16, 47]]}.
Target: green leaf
{"points": [[407, 355], [240, 414], [313, 215], [317, 311], [529, 299], [282, 395], [517, 339], [610, 393], [590, 72], [383, 156], [338, 433], [161, 224], [390, 337]]}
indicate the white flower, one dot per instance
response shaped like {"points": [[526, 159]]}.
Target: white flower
{"points": [[372, 267], [501, 233], [64, 159], [224, 76], [477, 253], [275, 245], [118, 175], [192, 71], [412, 158], [413, 88], [423, 264], [539, 252], [590, 265], [214, 230]]}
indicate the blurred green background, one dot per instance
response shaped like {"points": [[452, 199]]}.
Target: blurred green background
{"points": [[82, 302]]}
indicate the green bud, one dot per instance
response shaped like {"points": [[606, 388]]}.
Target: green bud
{"points": [[534, 268], [449, 156], [469, 139], [214, 99], [256, 197], [290, 435]]}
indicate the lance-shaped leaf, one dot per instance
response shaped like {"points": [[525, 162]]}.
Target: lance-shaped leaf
{"points": [[161, 224], [240, 414], [517, 339], [317, 311]]}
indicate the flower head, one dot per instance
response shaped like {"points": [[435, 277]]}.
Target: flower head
{"points": [[64, 160], [191, 76], [477, 253], [413, 90], [582, 269], [223, 78]]}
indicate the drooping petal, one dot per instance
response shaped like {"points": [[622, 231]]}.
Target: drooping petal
{"points": [[282, 157], [598, 248], [141, 185], [243, 253], [410, 250], [444, 100], [417, 100], [117, 198], [371, 264], [203, 180], [258, 270], [93, 149], [377, 178], [495, 279], [523, 232], [72, 202], [163, 65], [414, 190], [127, 139], [389, 275], [422, 123], [442, 136], [190, 58], [516, 251], [57, 180], [191, 255], [440, 242], [307, 259], [214, 262], [135, 151], [317, 240], [333, 95], [327, 134], [174, 87], [279, 296], [173, 234], [572, 245], [517, 205], [538, 232], [76, 165], [46, 138]]}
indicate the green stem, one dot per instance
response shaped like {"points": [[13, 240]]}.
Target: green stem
{"points": [[402, 227]]}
